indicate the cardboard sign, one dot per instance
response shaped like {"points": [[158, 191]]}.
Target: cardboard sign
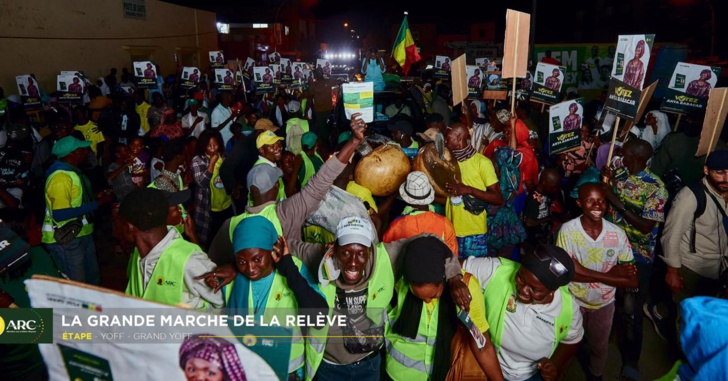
{"points": [[190, 77], [689, 88], [459, 81], [224, 79], [28, 90], [549, 81], [70, 87], [515, 47], [276, 70], [263, 78], [644, 100], [299, 75], [622, 99], [217, 59], [565, 120], [632, 58], [145, 75], [715, 115], [443, 67]]}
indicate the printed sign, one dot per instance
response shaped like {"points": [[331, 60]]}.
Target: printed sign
{"points": [[286, 71], [588, 66], [359, 97], [632, 59], [190, 77], [548, 83], [263, 78], [565, 120], [276, 70], [217, 59], [689, 88], [70, 87], [28, 90], [224, 79], [248, 68], [622, 99], [145, 75], [475, 78], [298, 75], [324, 66], [442, 67]]}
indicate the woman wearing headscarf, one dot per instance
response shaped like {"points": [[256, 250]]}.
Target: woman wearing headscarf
{"points": [[426, 316], [534, 321], [656, 128], [505, 229], [210, 359], [271, 282]]}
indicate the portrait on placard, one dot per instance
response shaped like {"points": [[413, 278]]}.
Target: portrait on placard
{"points": [[695, 80], [248, 68], [632, 58], [443, 63], [27, 86], [324, 66], [475, 79], [217, 58], [565, 125]]}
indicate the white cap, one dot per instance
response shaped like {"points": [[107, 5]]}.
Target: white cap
{"points": [[353, 230]]}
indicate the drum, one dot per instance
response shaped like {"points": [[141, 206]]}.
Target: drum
{"points": [[439, 171], [383, 170]]}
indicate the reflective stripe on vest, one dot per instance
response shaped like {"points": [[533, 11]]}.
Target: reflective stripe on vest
{"points": [[379, 293], [269, 212], [281, 302], [308, 169], [166, 283], [49, 222], [418, 367], [501, 287]]}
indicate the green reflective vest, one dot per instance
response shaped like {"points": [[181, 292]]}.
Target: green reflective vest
{"points": [[379, 293], [295, 128], [167, 281], [308, 168], [502, 287], [269, 212], [281, 303], [49, 222], [281, 185]]}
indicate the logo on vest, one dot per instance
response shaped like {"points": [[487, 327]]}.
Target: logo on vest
{"points": [[511, 307], [162, 282]]}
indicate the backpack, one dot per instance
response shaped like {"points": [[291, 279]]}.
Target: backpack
{"points": [[699, 191]]}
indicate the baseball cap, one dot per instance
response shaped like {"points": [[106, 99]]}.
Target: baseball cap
{"points": [[717, 160], [417, 189], [265, 124], [65, 146], [266, 138], [192, 102], [551, 265], [401, 125], [264, 177], [351, 230], [309, 139], [343, 137], [294, 106]]}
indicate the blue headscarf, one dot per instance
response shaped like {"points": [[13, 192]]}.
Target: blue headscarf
{"points": [[254, 233]]}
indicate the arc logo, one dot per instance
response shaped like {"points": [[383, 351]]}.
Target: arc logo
{"points": [[26, 325]]}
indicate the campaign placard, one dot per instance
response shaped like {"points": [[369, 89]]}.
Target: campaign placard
{"points": [[70, 87], [274, 58], [565, 120], [622, 99], [442, 67], [248, 68], [487, 64], [632, 58], [190, 77], [28, 90], [689, 87], [286, 70], [298, 76], [263, 78], [276, 70], [217, 59], [324, 66], [224, 79], [549, 81], [475, 80], [359, 97], [145, 75]]}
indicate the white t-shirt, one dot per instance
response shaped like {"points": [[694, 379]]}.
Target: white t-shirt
{"points": [[219, 115], [528, 332], [608, 250]]}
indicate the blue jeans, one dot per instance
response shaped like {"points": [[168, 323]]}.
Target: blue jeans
{"points": [[77, 259], [365, 370]]}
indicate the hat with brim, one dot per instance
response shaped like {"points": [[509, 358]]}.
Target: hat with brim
{"points": [[177, 198], [265, 124], [354, 230], [417, 189], [65, 146], [267, 138]]}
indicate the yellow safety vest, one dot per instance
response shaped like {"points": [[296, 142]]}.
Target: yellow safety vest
{"points": [[308, 168], [49, 222]]}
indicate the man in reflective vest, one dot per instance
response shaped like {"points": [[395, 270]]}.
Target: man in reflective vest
{"points": [[287, 215], [295, 128], [308, 160], [69, 206], [163, 265]]}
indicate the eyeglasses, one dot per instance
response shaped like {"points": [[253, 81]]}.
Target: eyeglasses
{"points": [[557, 268]]}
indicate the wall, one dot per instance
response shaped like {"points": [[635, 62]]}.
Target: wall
{"points": [[44, 37]]}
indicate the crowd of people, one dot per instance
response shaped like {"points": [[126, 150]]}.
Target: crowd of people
{"points": [[546, 253]]}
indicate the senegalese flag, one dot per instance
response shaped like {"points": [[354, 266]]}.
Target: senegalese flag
{"points": [[404, 50]]}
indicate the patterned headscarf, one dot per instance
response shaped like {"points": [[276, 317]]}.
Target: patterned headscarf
{"points": [[218, 351]]}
